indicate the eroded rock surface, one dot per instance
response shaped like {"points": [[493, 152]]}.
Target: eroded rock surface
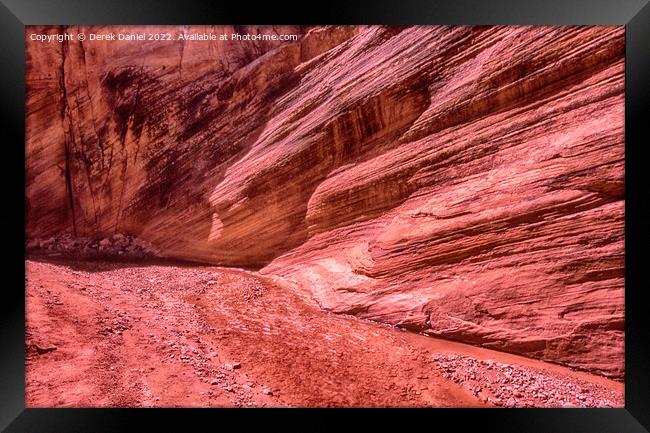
{"points": [[466, 182]]}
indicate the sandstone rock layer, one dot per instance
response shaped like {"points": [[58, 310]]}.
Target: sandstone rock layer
{"points": [[465, 182]]}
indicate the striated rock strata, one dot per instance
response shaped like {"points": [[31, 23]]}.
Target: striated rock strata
{"points": [[465, 182]]}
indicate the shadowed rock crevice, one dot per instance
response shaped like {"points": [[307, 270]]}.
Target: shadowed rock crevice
{"points": [[65, 116]]}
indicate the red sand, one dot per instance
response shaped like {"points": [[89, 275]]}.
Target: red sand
{"points": [[105, 334]]}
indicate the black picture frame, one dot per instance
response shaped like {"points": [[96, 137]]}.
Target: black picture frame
{"points": [[15, 14]]}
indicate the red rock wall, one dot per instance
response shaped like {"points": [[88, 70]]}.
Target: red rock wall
{"points": [[467, 182]]}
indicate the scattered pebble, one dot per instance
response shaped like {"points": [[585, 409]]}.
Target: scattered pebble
{"points": [[517, 386]]}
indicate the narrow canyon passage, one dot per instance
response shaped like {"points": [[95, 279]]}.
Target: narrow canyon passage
{"points": [[464, 182], [164, 335]]}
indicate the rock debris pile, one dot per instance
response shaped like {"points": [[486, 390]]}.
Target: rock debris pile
{"points": [[68, 245], [508, 385]]}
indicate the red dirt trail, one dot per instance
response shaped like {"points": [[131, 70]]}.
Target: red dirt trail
{"points": [[109, 334]]}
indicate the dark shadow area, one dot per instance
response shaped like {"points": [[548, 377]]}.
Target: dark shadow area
{"points": [[108, 263]]}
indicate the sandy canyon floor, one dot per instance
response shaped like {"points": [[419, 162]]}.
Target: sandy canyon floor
{"points": [[103, 334]]}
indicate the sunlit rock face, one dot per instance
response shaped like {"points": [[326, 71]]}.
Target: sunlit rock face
{"points": [[466, 182]]}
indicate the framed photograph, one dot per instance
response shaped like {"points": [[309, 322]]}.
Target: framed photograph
{"points": [[413, 212]]}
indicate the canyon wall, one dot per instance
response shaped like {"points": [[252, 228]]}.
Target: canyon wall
{"points": [[465, 182]]}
